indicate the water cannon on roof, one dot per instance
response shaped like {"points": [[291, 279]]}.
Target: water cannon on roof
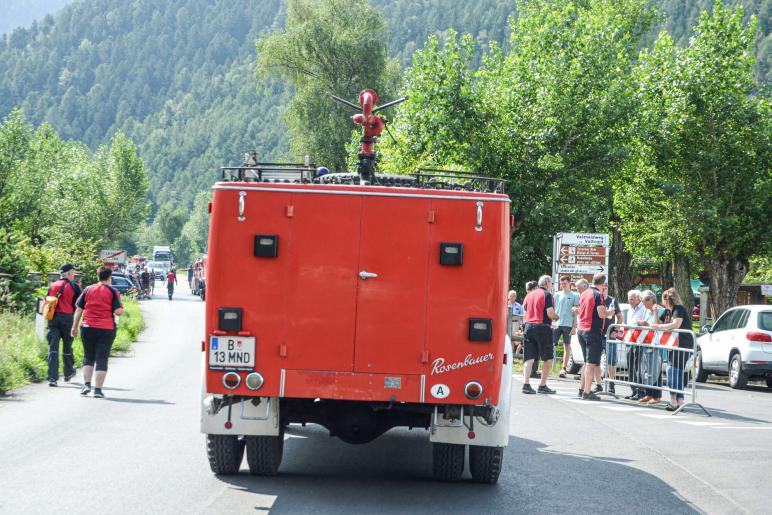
{"points": [[372, 126]]}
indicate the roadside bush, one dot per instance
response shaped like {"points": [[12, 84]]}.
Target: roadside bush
{"points": [[129, 327], [22, 356], [15, 293]]}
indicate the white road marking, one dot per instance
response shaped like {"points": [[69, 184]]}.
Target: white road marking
{"points": [[619, 408], [698, 422], [743, 427], [656, 415]]}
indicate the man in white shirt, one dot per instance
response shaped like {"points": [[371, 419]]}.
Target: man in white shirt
{"points": [[636, 312]]}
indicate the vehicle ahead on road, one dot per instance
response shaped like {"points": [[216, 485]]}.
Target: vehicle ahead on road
{"points": [[739, 345], [360, 302], [123, 284], [198, 287], [162, 253], [576, 359], [159, 269]]}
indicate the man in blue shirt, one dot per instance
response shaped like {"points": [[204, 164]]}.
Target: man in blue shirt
{"points": [[565, 301], [514, 305]]}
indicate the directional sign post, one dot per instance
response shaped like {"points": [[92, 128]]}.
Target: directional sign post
{"points": [[578, 255], [113, 256]]}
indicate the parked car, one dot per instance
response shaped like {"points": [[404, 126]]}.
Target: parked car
{"points": [[576, 359], [122, 284], [738, 345], [124, 276]]}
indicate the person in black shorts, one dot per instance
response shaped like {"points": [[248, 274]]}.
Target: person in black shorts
{"points": [[97, 307], [537, 337], [592, 313]]}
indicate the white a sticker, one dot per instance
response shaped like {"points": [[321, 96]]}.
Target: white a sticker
{"points": [[440, 391]]}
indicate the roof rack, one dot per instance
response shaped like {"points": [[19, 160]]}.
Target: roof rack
{"points": [[252, 171], [269, 172], [460, 180]]}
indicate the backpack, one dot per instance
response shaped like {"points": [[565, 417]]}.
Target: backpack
{"points": [[50, 303]]}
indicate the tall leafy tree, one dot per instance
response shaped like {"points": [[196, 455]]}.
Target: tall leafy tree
{"points": [[327, 46], [549, 115], [705, 148]]}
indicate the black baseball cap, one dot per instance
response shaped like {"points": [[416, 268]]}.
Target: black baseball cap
{"points": [[66, 268]]}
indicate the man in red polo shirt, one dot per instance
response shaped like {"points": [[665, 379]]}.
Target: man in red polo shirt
{"points": [[59, 326], [592, 313], [537, 336]]}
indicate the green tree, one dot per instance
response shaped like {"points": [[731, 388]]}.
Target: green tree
{"points": [[549, 115], [335, 46], [705, 141]]}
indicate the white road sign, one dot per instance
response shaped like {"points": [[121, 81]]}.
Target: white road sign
{"points": [[112, 256], [579, 255]]}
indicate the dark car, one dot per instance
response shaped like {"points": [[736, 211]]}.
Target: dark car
{"points": [[122, 284]]}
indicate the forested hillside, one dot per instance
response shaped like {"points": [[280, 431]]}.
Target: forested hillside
{"points": [[177, 77], [21, 13]]}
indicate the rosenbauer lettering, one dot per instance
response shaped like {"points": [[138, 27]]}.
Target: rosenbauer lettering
{"points": [[439, 366]]}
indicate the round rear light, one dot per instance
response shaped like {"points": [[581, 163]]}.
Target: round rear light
{"points": [[231, 380], [254, 381], [473, 390]]}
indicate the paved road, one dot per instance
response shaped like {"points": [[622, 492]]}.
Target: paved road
{"points": [[139, 450]]}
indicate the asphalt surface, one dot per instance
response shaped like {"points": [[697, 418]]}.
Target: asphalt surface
{"points": [[139, 450]]}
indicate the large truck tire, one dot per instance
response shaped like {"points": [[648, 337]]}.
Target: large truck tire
{"points": [[225, 453], [448, 461], [485, 463], [264, 454]]}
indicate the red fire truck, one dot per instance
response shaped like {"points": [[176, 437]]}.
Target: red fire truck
{"points": [[361, 302], [199, 277]]}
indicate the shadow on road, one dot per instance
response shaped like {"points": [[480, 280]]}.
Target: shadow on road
{"points": [[393, 474], [138, 401]]}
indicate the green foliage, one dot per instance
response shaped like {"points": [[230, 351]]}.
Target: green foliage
{"points": [[59, 203], [704, 142], [549, 115], [81, 253], [701, 181], [22, 355], [176, 77], [15, 291], [335, 46], [760, 270]]}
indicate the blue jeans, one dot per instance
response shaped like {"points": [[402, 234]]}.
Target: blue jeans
{"points": [[675, 380]]}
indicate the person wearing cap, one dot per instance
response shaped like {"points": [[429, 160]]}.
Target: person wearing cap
{"points": [[98, 306], [59, 326]]}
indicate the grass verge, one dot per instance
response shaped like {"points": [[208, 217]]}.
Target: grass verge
{"points": [[23, 356]]}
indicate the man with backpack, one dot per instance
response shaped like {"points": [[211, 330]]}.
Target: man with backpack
{"points": [[66, 292]]}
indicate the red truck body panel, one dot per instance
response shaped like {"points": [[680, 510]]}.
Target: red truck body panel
{"points": [[322, 331]]}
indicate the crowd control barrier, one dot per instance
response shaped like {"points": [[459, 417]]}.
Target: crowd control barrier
{"points": [[643, 355]]}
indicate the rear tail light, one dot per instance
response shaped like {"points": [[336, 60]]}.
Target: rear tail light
{"points": [[755, 336], [231, 380], [473, 390], [254, 381]]}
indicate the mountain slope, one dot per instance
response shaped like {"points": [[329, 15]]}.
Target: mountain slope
{"points": [[178, 76]]}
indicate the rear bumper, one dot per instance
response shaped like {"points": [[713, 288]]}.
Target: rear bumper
{"points": [[758, 368]]}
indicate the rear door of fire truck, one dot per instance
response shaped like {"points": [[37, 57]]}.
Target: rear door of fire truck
{"points": [[392, 275]]}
